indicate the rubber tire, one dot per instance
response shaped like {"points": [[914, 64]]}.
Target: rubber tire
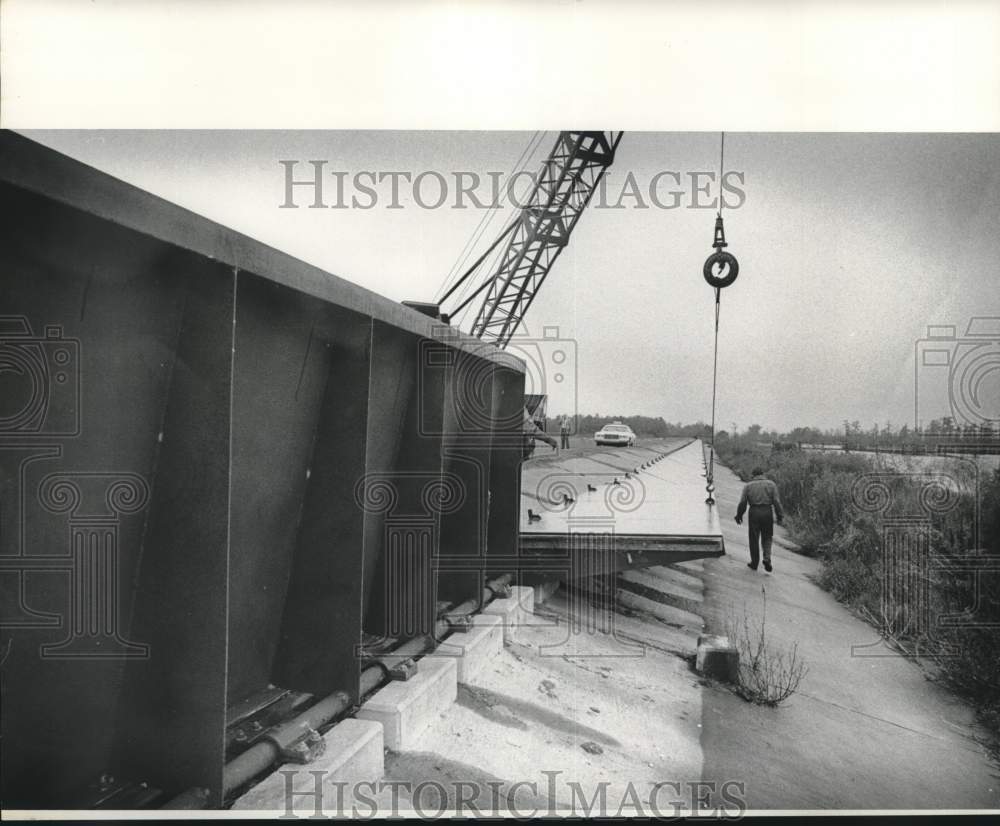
{"points": [[721, 257]]}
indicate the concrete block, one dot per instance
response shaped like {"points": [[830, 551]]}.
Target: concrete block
{"points": [[473, 649], [515, 611], [354, 753], [405, 709], [717, 657]]}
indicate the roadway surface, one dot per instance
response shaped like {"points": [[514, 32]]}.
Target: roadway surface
{"points": [[655, 489]]}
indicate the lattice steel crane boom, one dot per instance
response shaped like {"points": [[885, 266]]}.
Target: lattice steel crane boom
{"points": [[539, 233]]}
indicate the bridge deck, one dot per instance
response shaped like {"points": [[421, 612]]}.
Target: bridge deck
{"points": [[655, 515]]}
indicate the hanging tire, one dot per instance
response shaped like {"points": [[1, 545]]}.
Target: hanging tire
{"points": [[729, 265]]}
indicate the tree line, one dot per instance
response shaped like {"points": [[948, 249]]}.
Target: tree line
{"points": [[588, 424], [852, 435]]}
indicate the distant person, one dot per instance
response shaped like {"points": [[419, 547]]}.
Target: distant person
{"points": [[531, 432], [761, 495], [564, 427]]}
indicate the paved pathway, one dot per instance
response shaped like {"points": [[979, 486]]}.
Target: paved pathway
{"points": [[862, 732]]}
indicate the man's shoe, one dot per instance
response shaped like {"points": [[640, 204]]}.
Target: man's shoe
{"points": [[767, 567], [751, 566]]}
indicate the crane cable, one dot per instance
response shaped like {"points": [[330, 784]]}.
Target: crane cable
{"points": [[527, 154], [710, 475], [728, 269], [485, 219], [466, 298]]}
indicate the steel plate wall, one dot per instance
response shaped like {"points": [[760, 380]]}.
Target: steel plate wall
{"points": [[220, 470]]}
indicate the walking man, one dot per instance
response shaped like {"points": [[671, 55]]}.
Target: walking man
{"points": [[761, 495], [564, 428]]}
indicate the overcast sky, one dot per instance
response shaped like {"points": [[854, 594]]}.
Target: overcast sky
{"points": [[849, 246]]}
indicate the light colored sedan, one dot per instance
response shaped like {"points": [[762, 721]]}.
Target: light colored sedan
{"points": [[615, 433]]}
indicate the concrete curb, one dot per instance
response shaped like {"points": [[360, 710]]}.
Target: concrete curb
{"points": [[406, 708], [514, 611], [473, 649]]}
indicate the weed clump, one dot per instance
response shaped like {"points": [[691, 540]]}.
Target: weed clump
{"points": [[768, 675]]}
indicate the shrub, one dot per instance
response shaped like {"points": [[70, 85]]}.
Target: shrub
{"points": [[767, 675]]}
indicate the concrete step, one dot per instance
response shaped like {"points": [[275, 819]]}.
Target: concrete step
{"points": [[651, 604], [690, 566], [685, 579], [630, 626], [671, 615], [658, 636], [659, 586]]}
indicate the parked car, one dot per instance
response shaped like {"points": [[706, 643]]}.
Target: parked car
{"points": [[615, 433]]}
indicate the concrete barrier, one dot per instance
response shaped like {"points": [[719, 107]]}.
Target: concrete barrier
{"points": [[515, 611], [474, 649], [406, 708]]}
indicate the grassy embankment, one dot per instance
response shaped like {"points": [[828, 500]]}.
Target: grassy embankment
{"points": [[825, 519]]}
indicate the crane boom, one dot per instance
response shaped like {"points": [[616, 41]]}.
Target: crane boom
{"points": [[567, 181]]}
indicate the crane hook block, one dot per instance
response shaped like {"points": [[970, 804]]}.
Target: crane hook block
{"points": [[721, 268]]}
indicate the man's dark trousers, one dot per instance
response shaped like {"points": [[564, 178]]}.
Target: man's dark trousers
{"points": [[565, 438], [761, 527]]}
